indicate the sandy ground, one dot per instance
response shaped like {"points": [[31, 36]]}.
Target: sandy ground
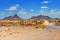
{"points": [[55, 34], [27, 33]]}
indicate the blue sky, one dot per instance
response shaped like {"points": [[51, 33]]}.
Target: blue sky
{"points": [[28, 8]]}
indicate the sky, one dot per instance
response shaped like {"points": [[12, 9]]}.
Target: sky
{"points": [[28, 8]]}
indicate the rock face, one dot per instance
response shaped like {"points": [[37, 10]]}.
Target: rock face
{"points": [[40, 17], [15, 17]]}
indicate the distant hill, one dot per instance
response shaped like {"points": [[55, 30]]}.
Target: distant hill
{"points": [[40, 17], [55, 19], [15, 17]]}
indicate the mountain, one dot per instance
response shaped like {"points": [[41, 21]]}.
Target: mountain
{"points": [[15, 17], [55, 19], [40, 17]]}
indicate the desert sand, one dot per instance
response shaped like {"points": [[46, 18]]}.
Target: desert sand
{"points": [[27, 33]]}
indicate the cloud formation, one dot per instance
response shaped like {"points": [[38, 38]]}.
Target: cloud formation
{"points": [[44, 7], [17, 5], [22, 12], [44, 2], [52, 13], [31, 10], [13, 8]]}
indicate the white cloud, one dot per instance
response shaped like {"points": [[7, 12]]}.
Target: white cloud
{"points": [[44, 7], [22, 12], [55, 14], [51, 13], [56, 9], [13, 8], [44, 2], [31, 10], [17, 5], [52, 10]]}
